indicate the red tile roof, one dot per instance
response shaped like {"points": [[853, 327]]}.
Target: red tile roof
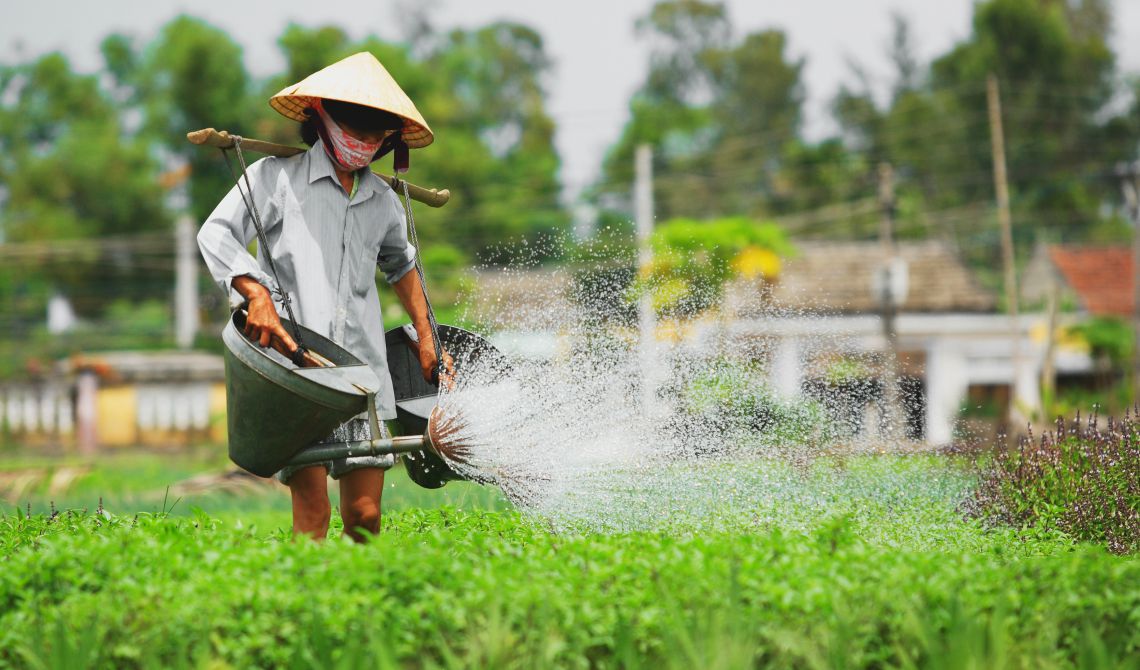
{"points": [[1101, 276]]}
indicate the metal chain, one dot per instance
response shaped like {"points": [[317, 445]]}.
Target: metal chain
{"points": [[414, 239], [263, 242]]}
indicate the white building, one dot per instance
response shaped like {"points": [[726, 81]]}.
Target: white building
{"points": [[955, 348], [953, 344]]}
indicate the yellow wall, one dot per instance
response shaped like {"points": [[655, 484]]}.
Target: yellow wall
{"points": [[116, 416]]}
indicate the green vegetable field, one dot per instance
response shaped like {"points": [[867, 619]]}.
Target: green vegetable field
{"points": [[875, 572]]}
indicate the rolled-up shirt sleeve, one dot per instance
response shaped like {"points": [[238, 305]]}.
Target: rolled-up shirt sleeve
{"points": [[397, 256], [225, 236]]}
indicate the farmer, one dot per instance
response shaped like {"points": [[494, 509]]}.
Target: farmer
{"points": [[329, 222]]}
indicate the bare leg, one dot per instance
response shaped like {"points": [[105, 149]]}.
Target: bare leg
{"points": [[360, 492], [311, 509]]}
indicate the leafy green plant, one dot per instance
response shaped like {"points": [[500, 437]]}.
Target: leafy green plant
{"points": [[692, 260], [1116, 398], [453, 588], [1108, 338], [846, 370], [736, 398]]}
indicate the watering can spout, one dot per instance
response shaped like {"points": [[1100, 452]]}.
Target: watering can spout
{"points": [[438, 439], [444, 436], [417, 400]]}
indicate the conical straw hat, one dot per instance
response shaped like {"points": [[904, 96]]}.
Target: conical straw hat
{"points": [[359, 79]]}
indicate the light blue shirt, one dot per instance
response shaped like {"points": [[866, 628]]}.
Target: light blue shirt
{"points": [[326, 246]]}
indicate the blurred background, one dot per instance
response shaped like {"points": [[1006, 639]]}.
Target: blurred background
{"points": [[951, 185]]}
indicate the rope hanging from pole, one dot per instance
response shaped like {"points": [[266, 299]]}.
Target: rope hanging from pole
{"points": [[415, 241], [297, 356]]}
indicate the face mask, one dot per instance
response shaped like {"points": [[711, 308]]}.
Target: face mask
{"points": [[346, 151]]}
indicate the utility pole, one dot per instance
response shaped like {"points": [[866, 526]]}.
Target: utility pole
{"points": [[1130, 183], [174, 180], [646, 319], [1048, 362], [889, 300], [643, 202], [185, 283], [1001, 188]]}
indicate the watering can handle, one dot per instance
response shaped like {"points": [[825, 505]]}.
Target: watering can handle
{"points": [[413, 340], [373, 417], [302, 357]]}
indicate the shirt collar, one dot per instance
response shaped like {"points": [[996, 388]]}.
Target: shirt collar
{"points": [[320, 165]]}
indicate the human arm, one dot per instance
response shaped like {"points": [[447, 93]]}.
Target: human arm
{"points": [[411, 294], [225, 236], [224, 240], [397, 260]]}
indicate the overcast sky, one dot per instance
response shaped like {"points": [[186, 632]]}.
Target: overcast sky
{"points": [[598, 61]]}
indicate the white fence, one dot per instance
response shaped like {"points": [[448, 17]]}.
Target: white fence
{"points": [[173, 407], [37, 409]]}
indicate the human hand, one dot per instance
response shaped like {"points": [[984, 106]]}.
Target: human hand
{"points": [[429, 364], [262, 325]]}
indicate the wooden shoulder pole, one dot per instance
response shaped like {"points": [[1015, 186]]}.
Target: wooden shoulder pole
{"points": [[210, 137]]}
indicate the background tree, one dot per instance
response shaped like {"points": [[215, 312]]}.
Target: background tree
{"points": [[720, 114], [671, 109], [192, 76], [693, 260], [71, 173], [497, 153], [759, 111], [1063, 125]]}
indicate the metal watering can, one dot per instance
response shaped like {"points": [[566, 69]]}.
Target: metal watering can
{"points": [[276, 410]]}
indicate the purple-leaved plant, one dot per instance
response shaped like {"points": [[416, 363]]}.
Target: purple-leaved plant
{"points": [[1081, 478]]}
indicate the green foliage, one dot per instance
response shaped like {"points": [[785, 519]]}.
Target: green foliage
{"points": [[1057, 78], [692, 260], [1112, 398], [453, 588], [846, 370], [503, 165], [445, 258], [156, 482], [308, 50], [70, 173], [779, 91], [147, 319], [125, 325], [1107, 337], [734, 397], [718, 112], [878, 571], [191, 76]]}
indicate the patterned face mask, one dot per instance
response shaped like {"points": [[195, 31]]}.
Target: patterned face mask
{"points": [[346, 151]]}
